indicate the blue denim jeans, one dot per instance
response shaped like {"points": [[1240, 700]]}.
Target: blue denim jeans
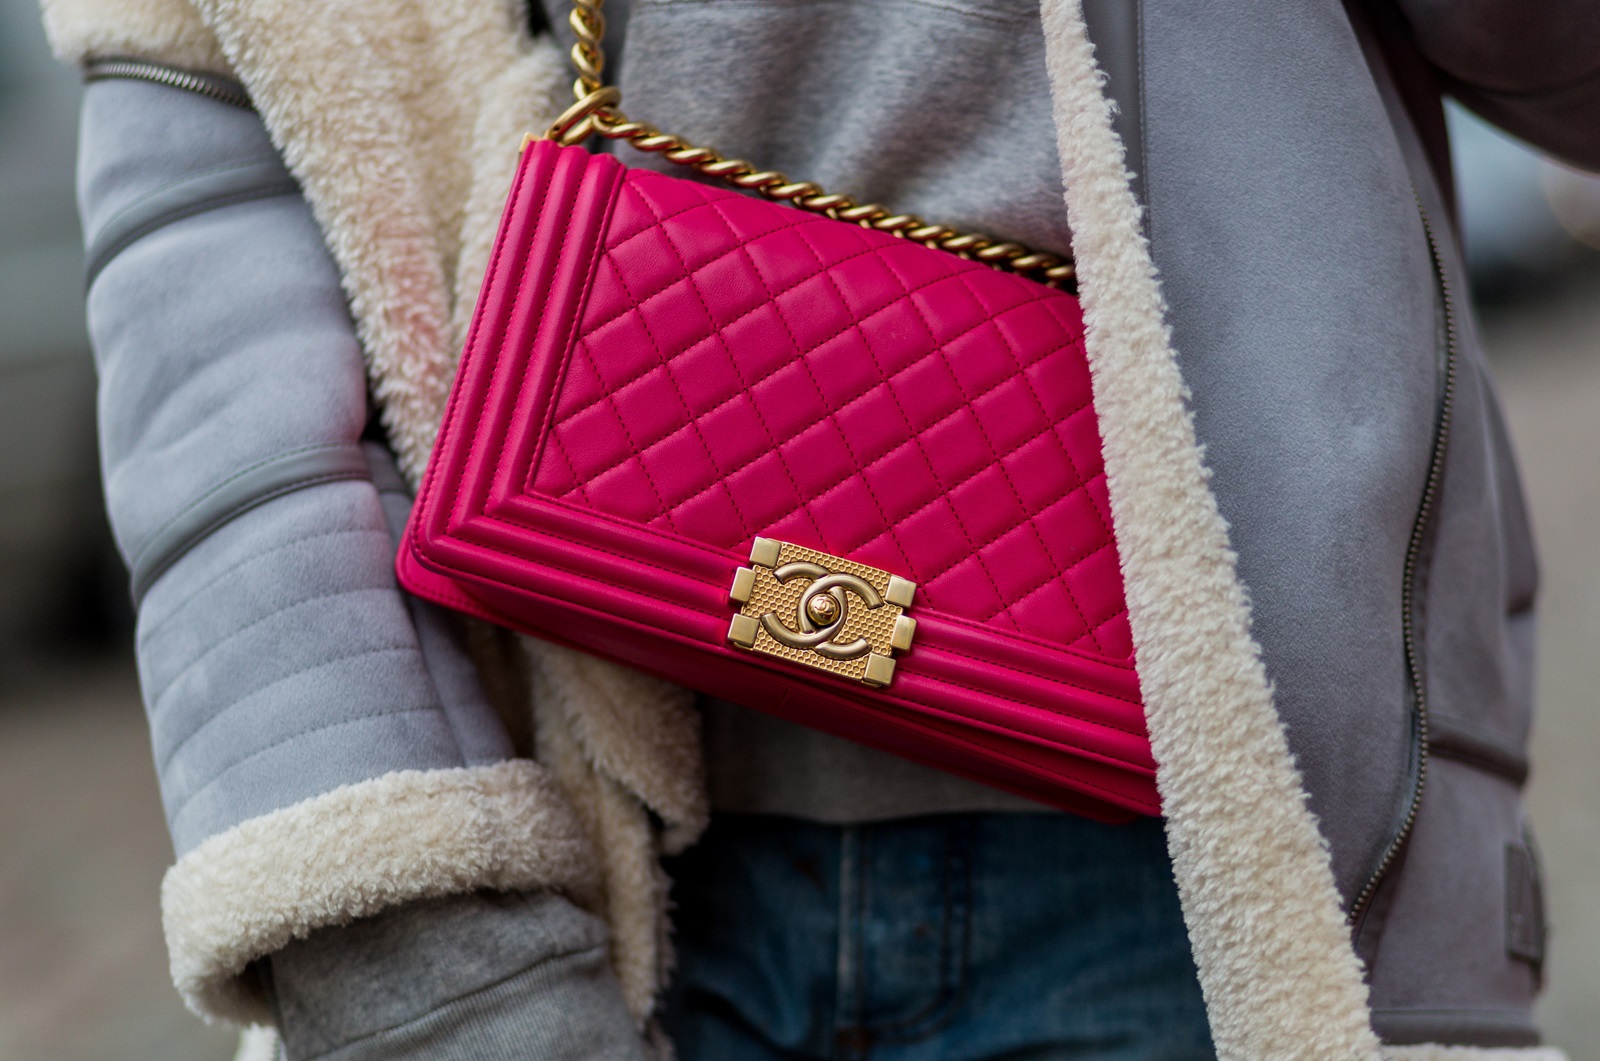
{"points": [[950, 937]]}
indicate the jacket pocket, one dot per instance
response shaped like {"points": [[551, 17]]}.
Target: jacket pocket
{"points": [[1460, 957]]}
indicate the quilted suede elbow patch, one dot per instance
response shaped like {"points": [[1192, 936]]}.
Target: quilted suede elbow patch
{"points": [[355, 851]]}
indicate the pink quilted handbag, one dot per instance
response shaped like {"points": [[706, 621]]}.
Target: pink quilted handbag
{"points": [[805, 465]]}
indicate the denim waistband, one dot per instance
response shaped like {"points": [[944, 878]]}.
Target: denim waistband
{"points": [[981, 935]]}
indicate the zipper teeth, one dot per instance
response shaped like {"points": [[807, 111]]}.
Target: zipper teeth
{"points": [[1408, 591], [209, 85]]}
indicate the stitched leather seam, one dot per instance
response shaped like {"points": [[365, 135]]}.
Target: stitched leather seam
{"points": [[634, 560], [1005, 474], [1082, 482], [580, 488], [556, 422], [1085, 623], [177, 609], [173, 753], [139, 557], [616, 243], [689, 417], [734, 397], [719, 334], [954, 620], [805, 364], [610, 251], [1089, 627], [1061, 569], [777, 448], [1054, 680], [930, 579], [188, 800], [911, 431], [1093, 628], [1070, 780], [1142, 768], [771, 298], [577, 311], [630, 381], [842, 407], [609, 397], [1030, 518], [945, 570], [234, 635], [175, 183]]}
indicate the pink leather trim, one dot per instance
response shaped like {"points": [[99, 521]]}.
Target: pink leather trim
{"points": [[658, 371]]}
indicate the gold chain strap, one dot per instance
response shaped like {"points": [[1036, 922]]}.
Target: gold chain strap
{"points": [[596, 112]]}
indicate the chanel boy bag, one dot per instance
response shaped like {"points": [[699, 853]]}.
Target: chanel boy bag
{"points": [[794, 451]]}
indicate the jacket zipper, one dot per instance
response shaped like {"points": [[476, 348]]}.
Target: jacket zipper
{"points": [[211, 86], [1430, 493]]}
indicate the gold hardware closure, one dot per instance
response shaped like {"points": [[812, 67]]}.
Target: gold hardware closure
{"points": [[822, 611], [596, 111]]}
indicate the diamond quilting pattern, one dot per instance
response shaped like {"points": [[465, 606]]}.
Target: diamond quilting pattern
{"points": [[742, 370]]}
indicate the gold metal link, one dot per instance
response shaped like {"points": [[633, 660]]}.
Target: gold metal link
{"points": [[595, 112], [823, 204], [787, 193]]}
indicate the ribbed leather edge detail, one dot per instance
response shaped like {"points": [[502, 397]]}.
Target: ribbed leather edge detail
{"points": [[257, 484], [1456, 740], [241, 183]]}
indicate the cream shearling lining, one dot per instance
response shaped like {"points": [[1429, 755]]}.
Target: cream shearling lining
{"points": [[592, 750], [642, 732], [168, 30], [351, 133], [1279, 975], [355, 851]]}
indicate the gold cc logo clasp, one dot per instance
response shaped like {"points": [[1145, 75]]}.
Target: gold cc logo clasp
{"points": [[822, 610], [796, 605]]}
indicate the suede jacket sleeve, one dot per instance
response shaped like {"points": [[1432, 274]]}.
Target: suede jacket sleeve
{"points": [[324, 747], [1533, 69]]}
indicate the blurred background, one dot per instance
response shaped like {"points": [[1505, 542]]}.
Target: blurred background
{"points": [[82, 843]]}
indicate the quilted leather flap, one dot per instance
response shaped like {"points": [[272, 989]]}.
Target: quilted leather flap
{"points": [[740, 368]]}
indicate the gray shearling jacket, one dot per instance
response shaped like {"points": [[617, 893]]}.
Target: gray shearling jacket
{"points": [[1356, 479]]}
